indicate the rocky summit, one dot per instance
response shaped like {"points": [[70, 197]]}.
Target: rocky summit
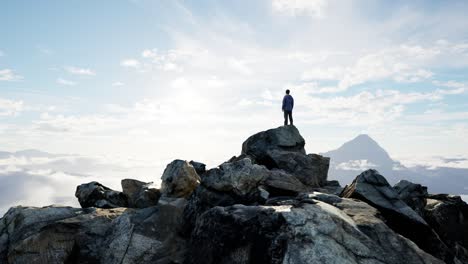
{"points": [[271, 204]]}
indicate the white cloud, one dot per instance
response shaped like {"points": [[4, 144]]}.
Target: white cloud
{"points": [[130, 63], [170, 60], [356, 165], [314, 8], [10, 107], [9, 75], [65, 82], [118, 84], [32, 178], [80, 71], [239, 66]]}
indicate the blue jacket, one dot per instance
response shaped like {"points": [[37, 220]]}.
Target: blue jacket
{"points": [[288, 103]]}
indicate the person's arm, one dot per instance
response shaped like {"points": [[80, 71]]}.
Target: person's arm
{"points": [[284, 102], [292, 102]]}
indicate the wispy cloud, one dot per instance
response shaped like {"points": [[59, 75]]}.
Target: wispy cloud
{"points": [[80, 71], [10, 107], [118, 84], [65, 82], [9, 75], [314, 8], [130, 63]]}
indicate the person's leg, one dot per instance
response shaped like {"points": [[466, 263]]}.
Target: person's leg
{"points": [[285, 118], [290, 118]]}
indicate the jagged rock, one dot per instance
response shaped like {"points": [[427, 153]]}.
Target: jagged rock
{"points": [[139, 194], [333, 187], [257, 208], [414, 195], [53, 235], [373, 188], [286, 138], [179, 179], [200, 168], [240, 178], [283, 148], [279, 183], [312, 169], [304, 233], [239, 182], [94, 194], [147, 235], [448, 215], [244, 234]]}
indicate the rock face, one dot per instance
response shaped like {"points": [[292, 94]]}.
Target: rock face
{"points": [[414, 195], [374, 189], [448, 215], [179, 179], [94, 194], [283, 148], [53, 235], [310, 231], [273, 204]]}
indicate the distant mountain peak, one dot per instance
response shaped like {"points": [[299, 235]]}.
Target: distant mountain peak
{"points": [[362, 147], [363, 138]]}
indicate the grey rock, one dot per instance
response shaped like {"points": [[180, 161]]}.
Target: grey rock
{"points": [[373, 188], [94, 194], [312, 169], [301, 233], [448, 215], [200, 168], [241, 177], [179, 179], [146, 235], [283, 148], [414, 195], [139, 193], [52, 235], [279, 183], [286, 138]]}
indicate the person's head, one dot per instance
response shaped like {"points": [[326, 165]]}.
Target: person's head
{"points": [[287, 91]]}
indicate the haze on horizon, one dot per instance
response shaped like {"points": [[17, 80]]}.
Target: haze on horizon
{"points": [[139, 83]]}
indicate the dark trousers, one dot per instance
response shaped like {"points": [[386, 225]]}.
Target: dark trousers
{"points": [[286, 115]]}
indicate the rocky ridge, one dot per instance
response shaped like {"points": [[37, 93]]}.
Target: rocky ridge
{"points": [[271, 204]]}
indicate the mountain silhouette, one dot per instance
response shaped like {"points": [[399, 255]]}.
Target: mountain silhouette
{"points": [[362, 148], [363, 152]]}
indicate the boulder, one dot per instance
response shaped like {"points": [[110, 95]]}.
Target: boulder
{"points": [[239, 182], [280, 183], [240, 178], [448, 215], [53, 235], [139, 194], [200, 168], [179, 179], [94, 194], [414, 195], [286, 138], [312, 169], [373, 188], [283, 148]]}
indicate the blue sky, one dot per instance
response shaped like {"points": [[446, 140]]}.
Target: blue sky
{"points": [[158, 80]]}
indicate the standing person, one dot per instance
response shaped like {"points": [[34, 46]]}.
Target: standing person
{"points": [[288, 104]]}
